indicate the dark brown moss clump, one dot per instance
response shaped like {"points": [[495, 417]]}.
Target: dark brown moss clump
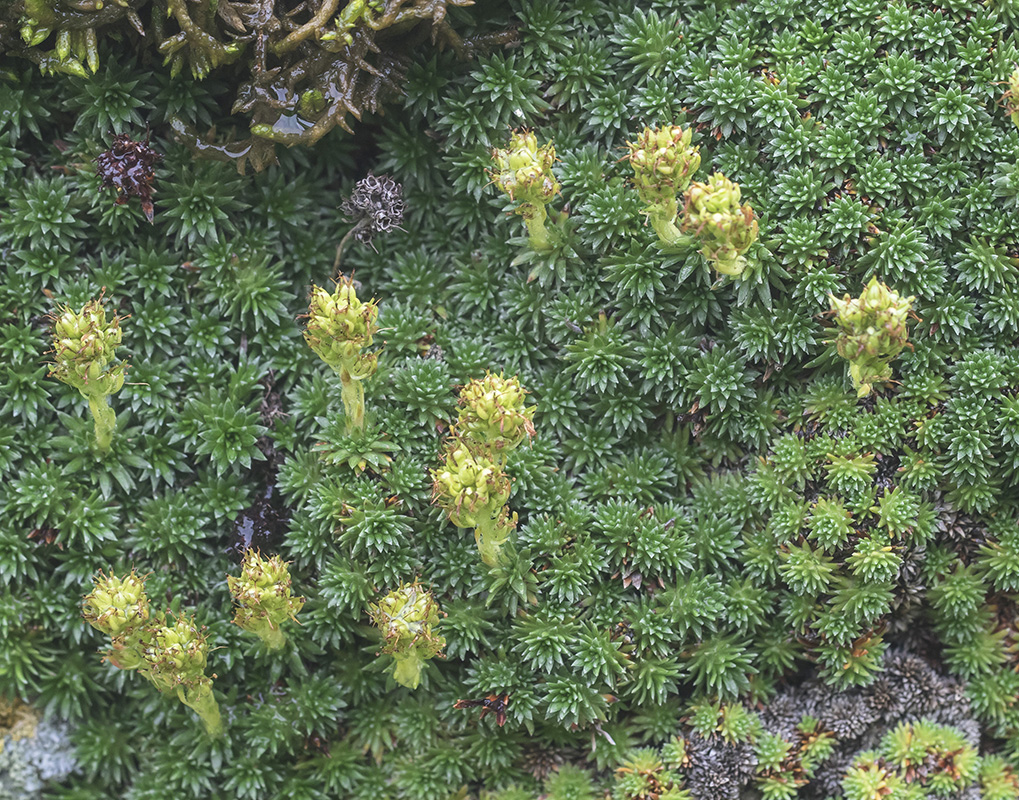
{"points": [[311, 65], [129, 167]]}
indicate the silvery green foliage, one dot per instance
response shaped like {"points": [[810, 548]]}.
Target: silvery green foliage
{"points": [[718, 769], [908, 689], [28, 764]]}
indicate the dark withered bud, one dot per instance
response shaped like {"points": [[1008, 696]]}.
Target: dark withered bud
{"points": [[375, 205], [129, 167]]}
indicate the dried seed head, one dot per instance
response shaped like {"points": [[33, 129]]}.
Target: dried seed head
{"points": [[376, 205]]}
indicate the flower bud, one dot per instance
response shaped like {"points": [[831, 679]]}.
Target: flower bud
{"points": [[116, 606], [524, 171], [406, 617], [713, 214], [470, 487], [84, 344], [340, 326], [663, 162], [493, 414], [871, 332], [176, 655], [364, 366], [263, 595]]}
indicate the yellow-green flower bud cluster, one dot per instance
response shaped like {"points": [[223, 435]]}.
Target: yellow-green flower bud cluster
{"points": [[264, 599], [471, 487], [664, 162], [524, 172], [117, 606], [493, 415], [175, 655], [84, 345], [871, 332], [171, 655], [726, 228], [340, 328], [406, 618]]}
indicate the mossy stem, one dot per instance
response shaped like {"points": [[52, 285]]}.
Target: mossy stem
{"points": [[105, 420], [537, 233], [316, 23], [665, 227], [490, 535], [202, 702], [352, 393]]}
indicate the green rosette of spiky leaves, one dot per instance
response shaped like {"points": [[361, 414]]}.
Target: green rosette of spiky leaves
{"points": [[406, 618], [175, 654], [494, 415], [340, 329], [726, 229], [871, 332], [473, 490], [263, 597], [929, 759], [524, 172], [84, 348], [664, 162], [119, 608], [646, 773]]}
